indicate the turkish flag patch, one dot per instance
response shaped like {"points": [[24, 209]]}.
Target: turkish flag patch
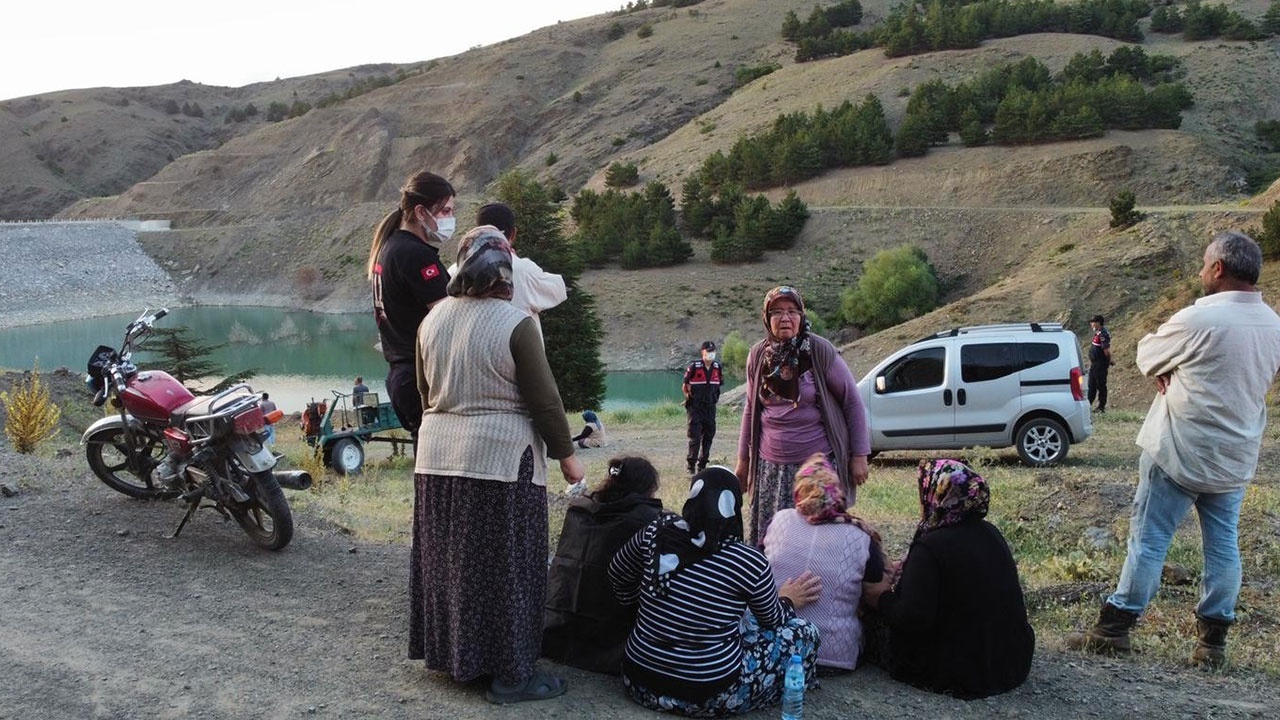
{"points": [[430, 271]]}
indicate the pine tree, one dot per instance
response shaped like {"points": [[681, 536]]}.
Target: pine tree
{"points": [[177, 352], [572, 331]]}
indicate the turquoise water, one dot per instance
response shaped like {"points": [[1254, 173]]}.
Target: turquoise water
{"points": [[299, 356]]}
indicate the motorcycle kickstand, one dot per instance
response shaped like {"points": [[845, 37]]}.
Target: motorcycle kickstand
{"points": [[191, 510]]}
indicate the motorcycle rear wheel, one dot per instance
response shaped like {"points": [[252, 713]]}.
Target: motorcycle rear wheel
{"points": [[108, 454], [266, 517]]}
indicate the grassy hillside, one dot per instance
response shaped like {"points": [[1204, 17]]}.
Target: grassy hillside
{"points": [[281, 213]]}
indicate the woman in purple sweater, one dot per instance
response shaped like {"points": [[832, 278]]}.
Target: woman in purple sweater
{"points": [[801, 399], [819, 535]]}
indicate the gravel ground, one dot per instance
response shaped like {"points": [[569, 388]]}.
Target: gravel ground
{"points": [[82, 270], [102, 616]]}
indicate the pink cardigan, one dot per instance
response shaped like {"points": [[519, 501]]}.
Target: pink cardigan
{"points": [[836, 552]]}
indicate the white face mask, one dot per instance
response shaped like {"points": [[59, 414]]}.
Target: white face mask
{"points": [[711, 357], [445, 227]]}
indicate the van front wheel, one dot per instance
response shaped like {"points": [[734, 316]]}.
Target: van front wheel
{"points": [[1041, 442]]}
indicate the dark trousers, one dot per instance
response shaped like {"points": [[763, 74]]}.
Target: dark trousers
{"points": [[1098, 383], [402, 387], [702, 430]]}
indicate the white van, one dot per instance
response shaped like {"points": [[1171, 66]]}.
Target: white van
{"points": [[988, 385]]}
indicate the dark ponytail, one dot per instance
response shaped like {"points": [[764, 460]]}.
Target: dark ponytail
{"points": [[424, 188], [628, 475]]}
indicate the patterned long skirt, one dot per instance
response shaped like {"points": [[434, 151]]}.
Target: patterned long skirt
{"points": [[478, 575], [773, 484], [766, 654]]}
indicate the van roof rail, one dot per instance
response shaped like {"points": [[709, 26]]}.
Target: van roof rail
{"points": [[1034, 327]]}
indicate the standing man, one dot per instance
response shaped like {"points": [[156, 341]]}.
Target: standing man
{"points": [[267, 407], [358, 391], [1099, 362], [701, 387], [533, 289], [1212, 364]]}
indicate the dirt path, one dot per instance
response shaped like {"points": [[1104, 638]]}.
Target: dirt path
{"points": [[101, 616]]}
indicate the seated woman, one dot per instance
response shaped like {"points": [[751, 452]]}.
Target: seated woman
{"points": [[694, 579], [592, 435], [956, 622], [583, 624], [821, 536]]}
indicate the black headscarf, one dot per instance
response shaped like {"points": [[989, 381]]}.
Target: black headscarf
{"points": [[484, 265], [784, 360], [711, 519]]}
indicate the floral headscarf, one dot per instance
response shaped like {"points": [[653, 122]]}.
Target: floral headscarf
{"points": [[484, 265], [784, 360], [710, 519], [950, 492], [819, 496]]}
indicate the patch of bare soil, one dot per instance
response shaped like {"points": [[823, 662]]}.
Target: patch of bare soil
{"points": [[105, 617]]}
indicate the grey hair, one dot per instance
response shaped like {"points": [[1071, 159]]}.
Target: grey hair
{"points": [[1240, 255]]}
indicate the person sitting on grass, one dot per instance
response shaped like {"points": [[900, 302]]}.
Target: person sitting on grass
{"points": [[592, 435], [955, 621], [583, 624], [820, 535], [694, 579]]}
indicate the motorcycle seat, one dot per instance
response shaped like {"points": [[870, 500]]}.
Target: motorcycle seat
{"points": [[204, 406]]}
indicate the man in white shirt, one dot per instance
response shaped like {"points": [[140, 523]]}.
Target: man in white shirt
{"points": [[533, 289], [1212, 364]]}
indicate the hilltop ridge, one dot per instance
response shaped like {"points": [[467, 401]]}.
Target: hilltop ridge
{"points": [[263, 211]]}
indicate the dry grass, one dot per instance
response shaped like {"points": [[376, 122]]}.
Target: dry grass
{"points": [[1043, 513]]}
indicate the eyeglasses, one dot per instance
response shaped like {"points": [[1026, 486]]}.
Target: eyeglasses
{"points": [[784, 313]]}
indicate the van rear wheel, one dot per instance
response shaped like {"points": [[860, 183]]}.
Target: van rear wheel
{"points": [[1041, 442]]}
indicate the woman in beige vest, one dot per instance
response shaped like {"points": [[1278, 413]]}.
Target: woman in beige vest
{"points": [[491, 416]]}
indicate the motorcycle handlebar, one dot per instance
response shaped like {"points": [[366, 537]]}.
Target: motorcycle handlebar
{"points": [[160, 313]]}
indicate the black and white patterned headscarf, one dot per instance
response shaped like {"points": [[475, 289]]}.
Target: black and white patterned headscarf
{"points": [[484, 265], [711, 519]]}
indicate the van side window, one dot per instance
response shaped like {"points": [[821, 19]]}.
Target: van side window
{"points": [[980, 362], [915, 371], [1034, 354]]}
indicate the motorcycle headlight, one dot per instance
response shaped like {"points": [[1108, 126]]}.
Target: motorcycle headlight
{"points": [[94, 384]]}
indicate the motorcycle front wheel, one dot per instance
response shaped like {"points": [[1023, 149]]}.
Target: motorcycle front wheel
{"points": [[266, 517], [108, 453]]}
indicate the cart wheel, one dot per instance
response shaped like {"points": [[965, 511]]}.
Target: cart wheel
{"points": [[347, 457]]}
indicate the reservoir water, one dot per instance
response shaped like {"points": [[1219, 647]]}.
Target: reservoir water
{"points": [[299, 355]]}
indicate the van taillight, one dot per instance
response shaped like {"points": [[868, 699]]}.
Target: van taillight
{"points": [[1077, 384]]}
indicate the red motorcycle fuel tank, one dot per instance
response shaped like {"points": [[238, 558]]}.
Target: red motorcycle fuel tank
{"points": [[152, 395]]}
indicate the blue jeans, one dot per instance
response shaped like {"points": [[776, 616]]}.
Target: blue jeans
{"points": [[1159, 505]]}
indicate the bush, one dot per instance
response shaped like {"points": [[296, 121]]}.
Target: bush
{"points": [[30, 416], [749, 73], [896, 285], [622, 174], [1268, 236], [1269, 133], [733, 354], [644, 31], [1123, 213]]}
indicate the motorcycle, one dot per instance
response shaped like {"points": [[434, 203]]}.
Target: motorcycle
{"points": [[166, 443]]}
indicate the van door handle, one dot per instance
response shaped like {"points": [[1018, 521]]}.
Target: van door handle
{"points": [[946, 397], [960, 396]]}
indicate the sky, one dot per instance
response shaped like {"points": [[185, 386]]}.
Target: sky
{"points": [[72, 44]]}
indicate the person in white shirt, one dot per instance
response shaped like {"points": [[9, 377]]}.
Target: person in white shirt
{"points": [[1212, 364], [534, 289]]}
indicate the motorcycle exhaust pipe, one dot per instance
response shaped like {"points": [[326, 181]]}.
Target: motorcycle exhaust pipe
{"points": [[293, 479]]}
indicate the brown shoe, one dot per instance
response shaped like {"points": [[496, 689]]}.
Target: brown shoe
{"points": [[1110, 635], [1211, 643]]}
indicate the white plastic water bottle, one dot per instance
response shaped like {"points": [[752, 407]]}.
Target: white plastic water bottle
{"points": [[793, 690]]}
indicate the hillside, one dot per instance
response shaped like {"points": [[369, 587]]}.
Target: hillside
{"points": [[60, 147], [281, 213]]}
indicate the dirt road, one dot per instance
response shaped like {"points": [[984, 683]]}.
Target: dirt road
{"points": [[101, 616]]}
